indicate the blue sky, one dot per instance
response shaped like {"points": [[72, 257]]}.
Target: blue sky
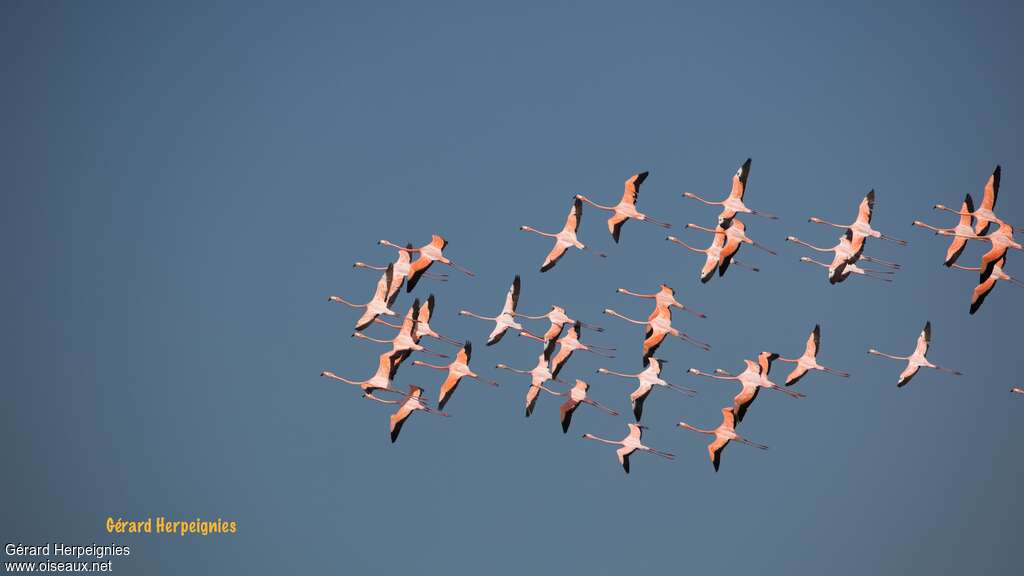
{"points": [[184, 184]]}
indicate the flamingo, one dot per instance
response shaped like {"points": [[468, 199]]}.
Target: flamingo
{"points": [[564, 239], [847, 270], [658, 326], [1001, 240], [401, 271], [1017, 390], [752, 379], [809, 360], [984, 215], [379, 382], [575, 396], [457, 370], [506, 319], [982, 290], [423, 328], [411, 404], [725, 433], [733, 204], [665, 296], [713, 254], [428, 254], [377, 305], [917, 360], [568, 344], [558, 319], [626, 208], [538, 376], [648, 379], [848, 251], [407, 339], [631, 443], [735, 235], [862, 225], [963, 228]]}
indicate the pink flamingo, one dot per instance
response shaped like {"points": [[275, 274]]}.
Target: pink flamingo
{"points": [[733, 204], [725, 433], [457, 370], [626, 208]]}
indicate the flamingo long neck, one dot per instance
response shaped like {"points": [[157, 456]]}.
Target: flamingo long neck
{"points": [[708, 202], [341, 300], [343, 379], [603, 440], [695, 429], [595, 204]]}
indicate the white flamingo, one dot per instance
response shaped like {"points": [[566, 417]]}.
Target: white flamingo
{"points": [[917, 360], [630, 444]]}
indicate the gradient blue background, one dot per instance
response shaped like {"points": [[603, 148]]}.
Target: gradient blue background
{"points": [[184, 183]]}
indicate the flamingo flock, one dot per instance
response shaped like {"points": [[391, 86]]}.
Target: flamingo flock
{"points": [[975, 224], [562, 335]]}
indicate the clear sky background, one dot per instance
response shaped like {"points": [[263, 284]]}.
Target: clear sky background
{"points": [[183, 184]]}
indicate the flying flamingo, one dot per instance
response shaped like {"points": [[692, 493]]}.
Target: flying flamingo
{"points": [[984, 215], [649, 378], [457, 370], [657, 328], [733, 204], [981, 290], [428, 254], [862, 225], [1017, 390], [401, 271], [507, 318], [713, 254], [379, 382], [809, 361], [665, 296], [847, 269], [411, 404], [916, 360], [735, 235], [847, 252], [423, 328], [564, 239], [725, 433], [659, 325], [752, 379], [377, 305], [1001, 240], [962, 229], [407, 339], [626, 208], [568, 344], [630, 444], [558, 318], [538, 376], [577, 395]]}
